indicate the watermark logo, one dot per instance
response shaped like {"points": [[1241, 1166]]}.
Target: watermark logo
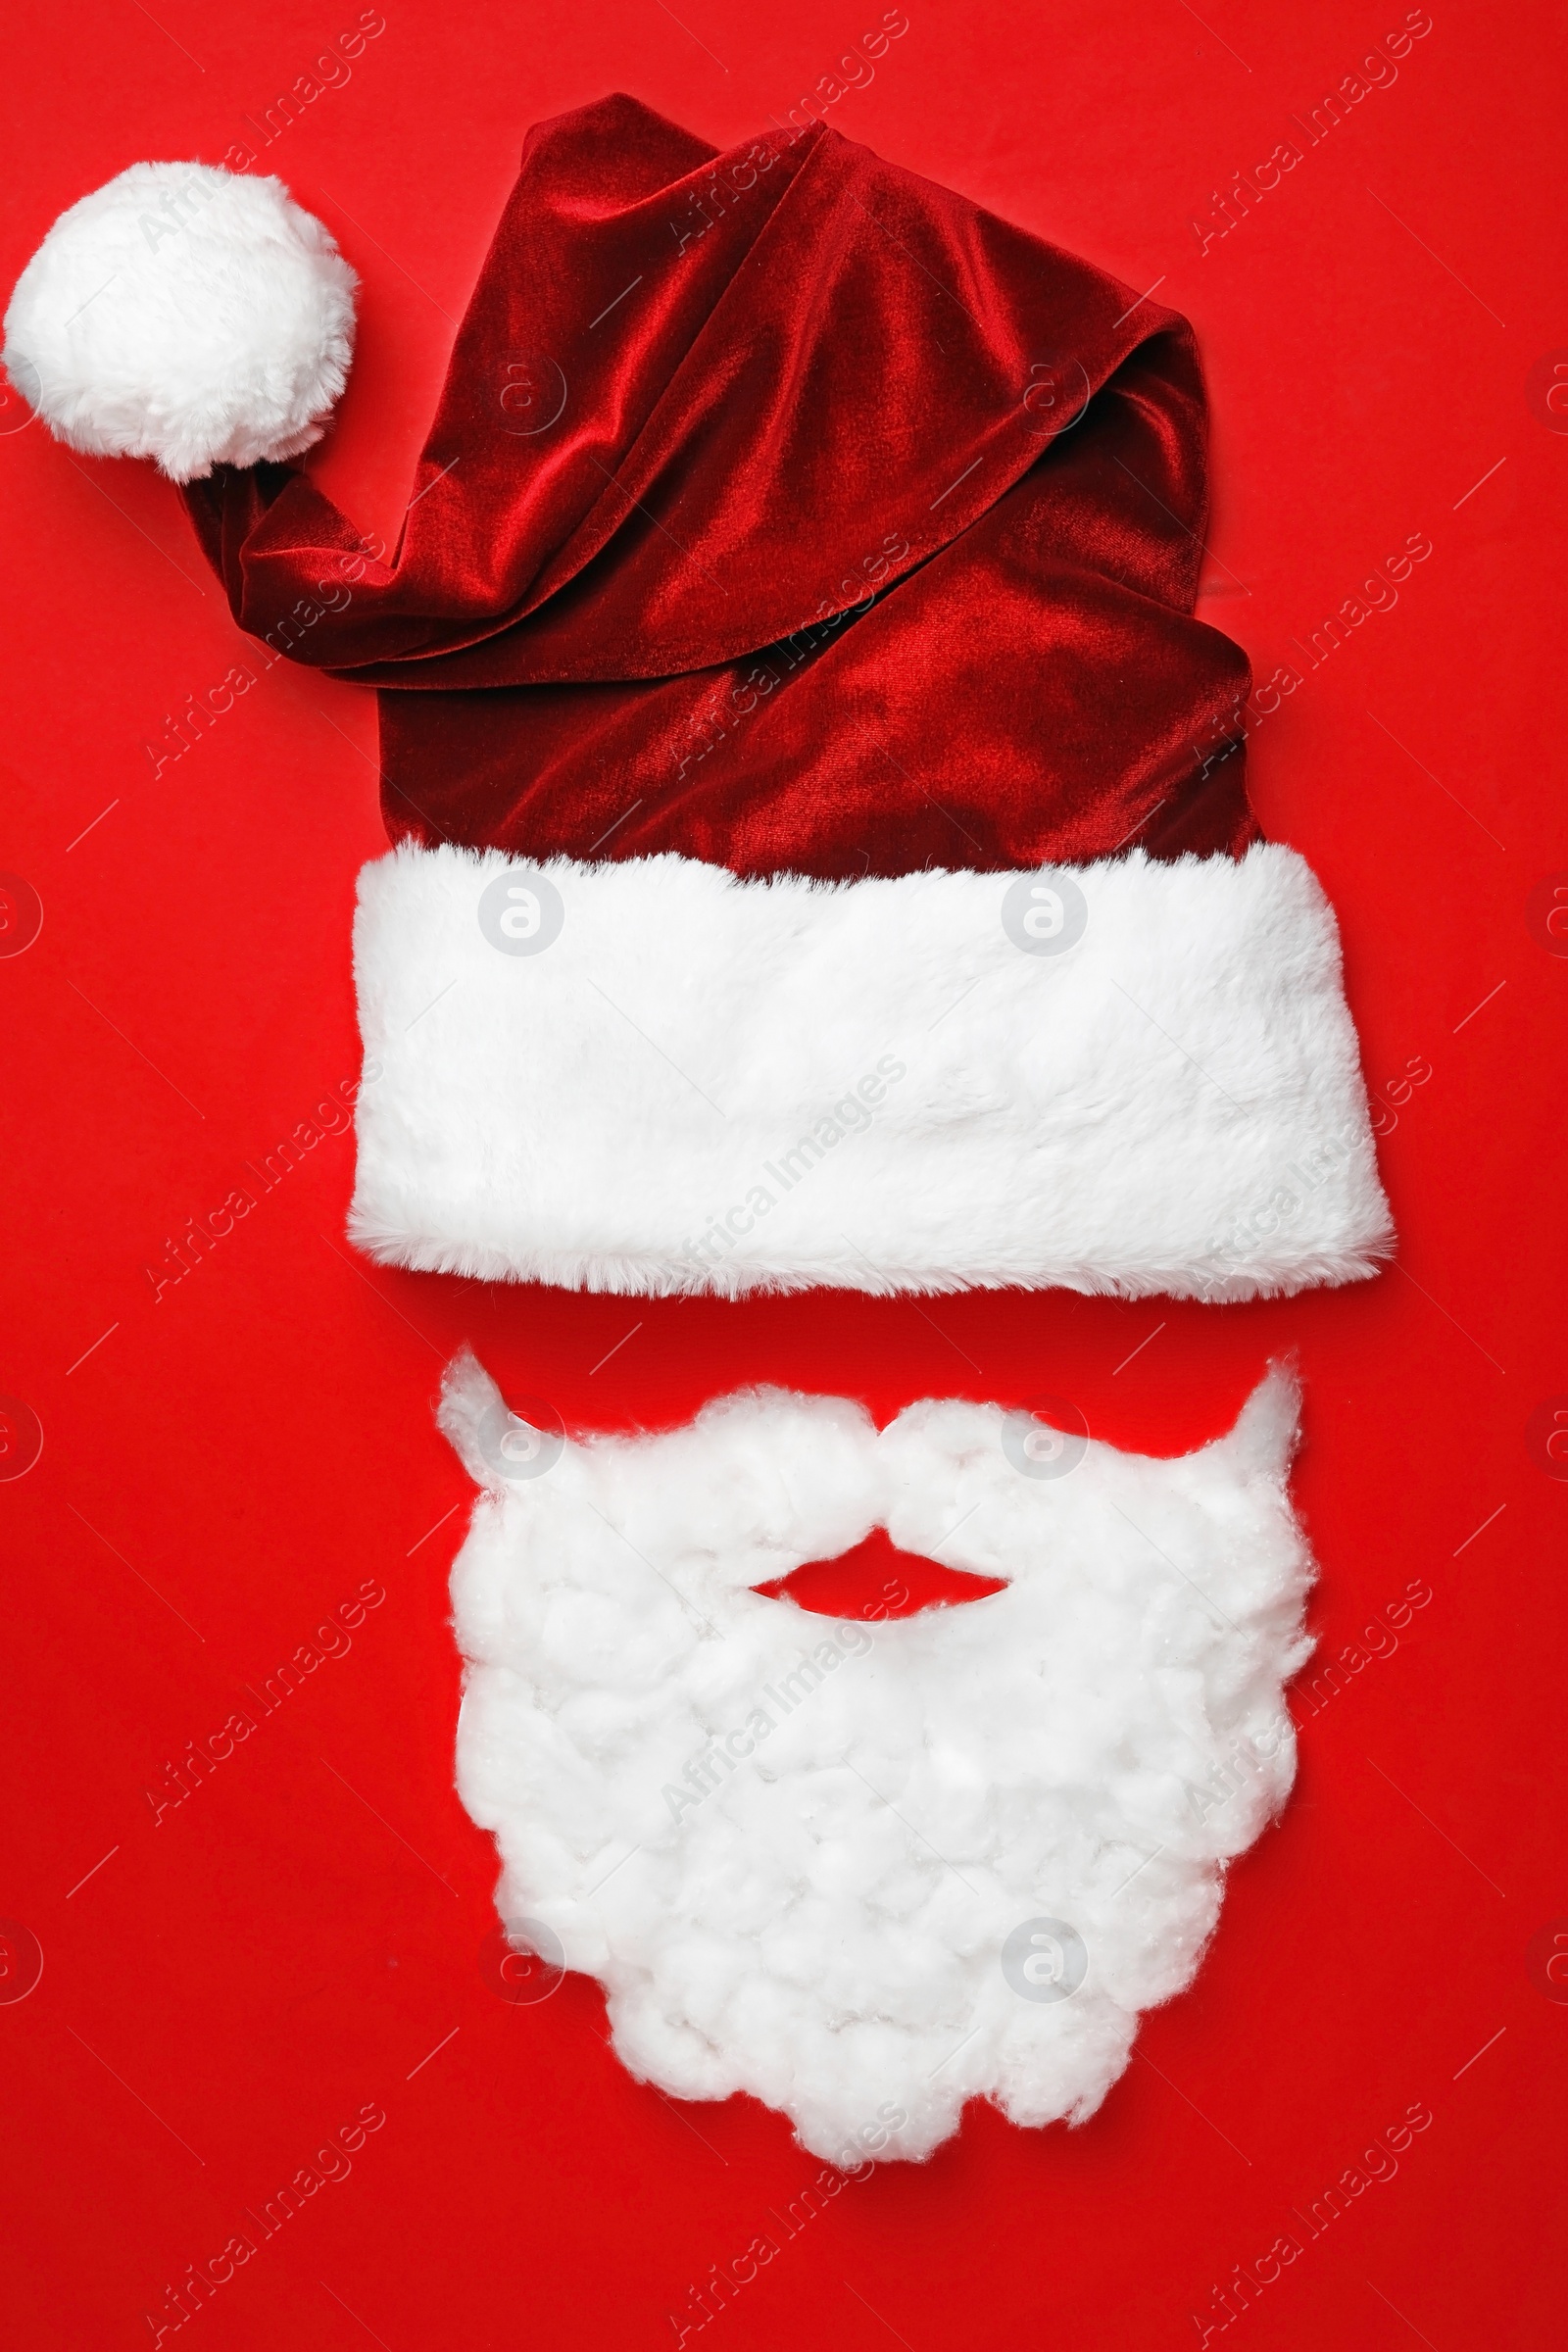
{"points": [[522, 1445], [21, 392], [1045, 1960], [1056, 396], [1546, 1437], [21, 1960], [1045, 914], [21, 1438], [21, 912], [1044, 1439], [1547, 1960], [532, 395], [1546, 913], [1546, 391], [520, 911], [522, 1961]]}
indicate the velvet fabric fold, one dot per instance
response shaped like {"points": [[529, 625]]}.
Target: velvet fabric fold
{"points": [[784, 510]]}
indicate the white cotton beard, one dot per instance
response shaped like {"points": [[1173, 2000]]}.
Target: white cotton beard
{"points": [[793, 1850]]}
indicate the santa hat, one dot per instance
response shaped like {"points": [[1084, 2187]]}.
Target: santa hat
{"points": [[821, 845]]}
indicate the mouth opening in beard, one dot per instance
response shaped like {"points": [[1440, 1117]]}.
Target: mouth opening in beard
{"points": [[875, 1581]]}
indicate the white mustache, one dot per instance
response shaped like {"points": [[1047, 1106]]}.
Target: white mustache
{"points": [[848, 1867]]}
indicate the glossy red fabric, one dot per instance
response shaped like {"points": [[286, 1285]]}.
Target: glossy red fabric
{"points": [[783, 509]]}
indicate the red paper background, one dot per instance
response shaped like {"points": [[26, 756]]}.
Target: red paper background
{"points": [[227, 1985]]}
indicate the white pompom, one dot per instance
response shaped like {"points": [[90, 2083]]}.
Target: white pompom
{"points": [[183, 314]]}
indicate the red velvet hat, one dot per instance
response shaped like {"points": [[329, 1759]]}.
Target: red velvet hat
{"points": [[821, 850]]}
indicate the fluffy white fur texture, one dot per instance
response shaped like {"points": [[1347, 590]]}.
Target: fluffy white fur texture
{"points": [[703, 1084], [185, 313], [793, 1850]]}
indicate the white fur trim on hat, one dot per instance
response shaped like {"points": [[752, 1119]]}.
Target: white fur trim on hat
{"points": [[183, 314], [654, 1077]]}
